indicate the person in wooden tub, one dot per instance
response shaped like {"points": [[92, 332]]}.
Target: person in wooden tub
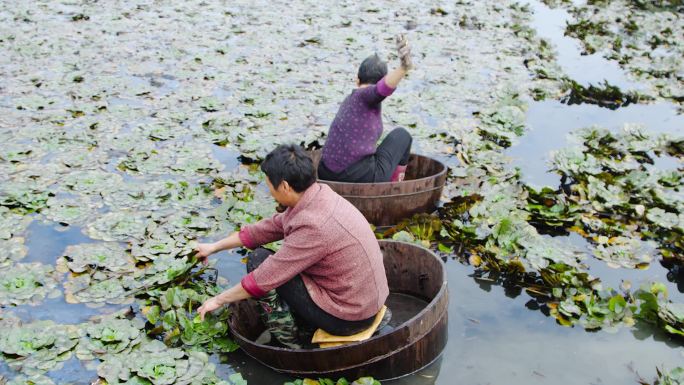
{"points": [[349, 154], [329, 272]]}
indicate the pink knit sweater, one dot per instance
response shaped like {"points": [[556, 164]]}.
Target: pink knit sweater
{"points": [[328, 242]]}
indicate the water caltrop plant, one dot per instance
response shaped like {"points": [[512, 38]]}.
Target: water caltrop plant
{"points": [[154, 363], [28, 283], [118, 333], [36, 347], [172, 315]]}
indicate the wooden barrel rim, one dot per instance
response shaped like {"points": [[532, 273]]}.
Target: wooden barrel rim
{"points": [[393, 195], [436, 298], [433, 176]]}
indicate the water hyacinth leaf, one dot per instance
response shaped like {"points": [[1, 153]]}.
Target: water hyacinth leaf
{"points": [[625, 30], [112, 334], [625, 252], [154, 362], [665, 219], [91, 257], [173, 312], [19, 153], [34, 379], [551, 208], [158, 195], [12, 223], [70, 211], [236, 379], [91, 181], [672, 315], [38, 347], [96, 290], [11, 251], [23, 197], [28, 283], [244, 204], [158, 132], [99, 272], [176, 158], [665, 377], [164, 269], [119, 226]]}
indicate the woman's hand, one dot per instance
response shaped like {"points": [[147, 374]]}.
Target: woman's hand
{"points": [[208, 306], [404, 52], [204, 250]]}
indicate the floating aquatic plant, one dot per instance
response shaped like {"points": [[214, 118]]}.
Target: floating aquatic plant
{"points": [[549, 209], [119, 226], [91, 258], [107, 273], [111, 334], [37, 347], [34, 379], [171, 312], [23, 197], [28, 283], [672, 377], [609, 183], [91, 181], [603, 95], [11, 251], [421, 228], [70, 211], [12, 223], [175, 158], [154, 363], [654, 307], [624, 252]]}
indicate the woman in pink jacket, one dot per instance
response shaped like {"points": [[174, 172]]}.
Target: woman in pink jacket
{"points": [[329, 270]]}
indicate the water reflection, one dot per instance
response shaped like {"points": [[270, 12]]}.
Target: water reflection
{"points": [[549, 123], [46, 241], [73, 372], [227, 156], [614, 278], [585, 69], [494, 339]]}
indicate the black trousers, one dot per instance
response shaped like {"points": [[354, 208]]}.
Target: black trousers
{"points": [[394, 150], [294, 293]]}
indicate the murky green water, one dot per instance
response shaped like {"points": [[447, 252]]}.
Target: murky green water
{"points": [[253, 74]]}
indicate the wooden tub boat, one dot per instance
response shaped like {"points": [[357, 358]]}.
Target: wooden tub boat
{"points": [[413, 344], [385, 204]]}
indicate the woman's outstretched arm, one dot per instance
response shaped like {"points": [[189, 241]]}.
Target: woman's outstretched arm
{"points": [[393, 78]]}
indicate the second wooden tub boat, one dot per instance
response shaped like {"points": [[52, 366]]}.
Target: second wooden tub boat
{"points": [[385, 204]]}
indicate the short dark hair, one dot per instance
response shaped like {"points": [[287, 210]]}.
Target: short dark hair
{"points": [[291, 163], [372, 69]]}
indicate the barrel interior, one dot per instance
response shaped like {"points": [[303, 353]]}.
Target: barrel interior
{"points": [[410, 270], [422, 167]]}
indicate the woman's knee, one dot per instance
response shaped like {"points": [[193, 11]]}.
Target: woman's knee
{"points": [[403, 134]]}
